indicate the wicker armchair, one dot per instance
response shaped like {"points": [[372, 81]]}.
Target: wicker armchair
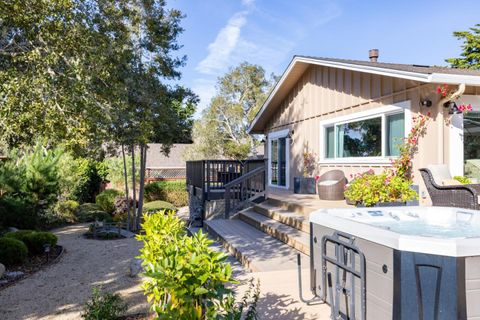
{"points": [[331, 185], [460, 196]]}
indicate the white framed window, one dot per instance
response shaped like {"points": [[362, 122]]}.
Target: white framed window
{"points": [[278, 159], [372, 136]]}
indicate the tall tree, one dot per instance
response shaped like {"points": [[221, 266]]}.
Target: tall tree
{"points": [[222, 129], [470, 56]]}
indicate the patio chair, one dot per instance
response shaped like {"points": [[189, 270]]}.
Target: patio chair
{"points": [[444, 193], [331, 185]]}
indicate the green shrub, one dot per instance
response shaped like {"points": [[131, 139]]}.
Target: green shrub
{"points": [[106, 200], [81, 178], [104, 306], [34, 240], [369, 188], [17, 212], [155, 206], [62, 213], [171, 191], [89, 212], [12, 251], [463, 180], [184, 277]]}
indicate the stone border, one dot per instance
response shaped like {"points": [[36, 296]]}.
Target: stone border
{"points": [[51, 262]]}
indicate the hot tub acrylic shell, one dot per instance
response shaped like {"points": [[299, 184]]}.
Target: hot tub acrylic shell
{"points": [[407, 276]]}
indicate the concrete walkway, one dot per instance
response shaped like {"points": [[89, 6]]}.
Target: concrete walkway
{"points": [[60, 290]]}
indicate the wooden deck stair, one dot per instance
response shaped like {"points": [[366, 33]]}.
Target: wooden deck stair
{"points": [[266, 236]]}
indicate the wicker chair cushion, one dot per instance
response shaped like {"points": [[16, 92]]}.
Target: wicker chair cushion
{"points": [[451, 182], [440, 173], [327, 182]]}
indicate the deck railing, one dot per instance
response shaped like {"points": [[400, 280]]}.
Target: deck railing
{"points": [[211, 175], [244, 189]]}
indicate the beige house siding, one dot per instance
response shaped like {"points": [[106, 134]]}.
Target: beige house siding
{"points": [[323, 93]]}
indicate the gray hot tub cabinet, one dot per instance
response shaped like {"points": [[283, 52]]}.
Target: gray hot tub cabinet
{"points": [[400, 285]]}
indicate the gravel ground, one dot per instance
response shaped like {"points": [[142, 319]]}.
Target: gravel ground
{"points": [[59, 291]]}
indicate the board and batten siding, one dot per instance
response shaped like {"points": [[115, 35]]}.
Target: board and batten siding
{"points": [[322, 93]]}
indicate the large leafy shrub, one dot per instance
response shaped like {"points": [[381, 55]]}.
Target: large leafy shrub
{"points": [[369, 188], [12, 251], [89, 212], [17, 212], [104, 306], [158, 205], [174, 191], [34, 240], [106, 200], [184, 277], [81, 178]]}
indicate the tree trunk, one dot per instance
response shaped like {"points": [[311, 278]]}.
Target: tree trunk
{"points": [[125, 174], [134, 192], [143, 163]]}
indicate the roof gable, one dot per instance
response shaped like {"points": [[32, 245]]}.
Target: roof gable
{"points": [[420, 73]]}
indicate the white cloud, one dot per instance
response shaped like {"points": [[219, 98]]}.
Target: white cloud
{"points": [[248, 3], [219, 51]]}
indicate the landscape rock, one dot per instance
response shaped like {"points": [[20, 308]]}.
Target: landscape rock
{"points": [[12, 229], [12, 275], [135, 267]]}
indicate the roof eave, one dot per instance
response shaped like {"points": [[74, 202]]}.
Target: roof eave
{"points": [[415, 76]]}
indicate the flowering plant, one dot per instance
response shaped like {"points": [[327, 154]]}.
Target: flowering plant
{"points": [[308, 163], [465, 108], [369, 188], [402, 166], [444, 91]]}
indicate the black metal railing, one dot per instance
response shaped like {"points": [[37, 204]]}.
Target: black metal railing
{"points": [[211, 175], [243, 189]]}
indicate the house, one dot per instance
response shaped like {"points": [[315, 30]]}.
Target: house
{"points": [[165, 167], [351, 115], [321, 103]]}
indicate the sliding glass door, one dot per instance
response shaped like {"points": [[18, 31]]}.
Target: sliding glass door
{"points": [[278, 166]]}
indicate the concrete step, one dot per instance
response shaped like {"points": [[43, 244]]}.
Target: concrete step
{"points": [[293, 237], [255, 249], [285, 216]]}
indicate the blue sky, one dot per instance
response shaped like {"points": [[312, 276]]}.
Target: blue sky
{"points": [[220, 34]]}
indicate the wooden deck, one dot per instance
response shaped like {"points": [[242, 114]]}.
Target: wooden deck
{"points": [[311, 201]]}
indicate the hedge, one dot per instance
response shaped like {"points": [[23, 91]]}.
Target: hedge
{"points": [[173, 191], [158, 205], [12, 251], [34, 240]]}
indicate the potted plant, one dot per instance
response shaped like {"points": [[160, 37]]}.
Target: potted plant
{"points": [[394, 185], [307, 183]]}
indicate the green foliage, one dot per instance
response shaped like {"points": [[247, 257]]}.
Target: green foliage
{"points": [[17, 212], [470, 56], [115, 170], [463, 180], [81, 178], [12, 251], [89, 212], [184, 277], [34, 240], [106, 200], [158, 205], [66, 210], [104, 306], [174, 192], [369, 188], [222, 130]]}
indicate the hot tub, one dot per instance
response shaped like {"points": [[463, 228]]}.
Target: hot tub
{"points": [[397, 262]]}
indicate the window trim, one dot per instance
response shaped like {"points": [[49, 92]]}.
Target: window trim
{"points": [[274, 136], [382, 112]]}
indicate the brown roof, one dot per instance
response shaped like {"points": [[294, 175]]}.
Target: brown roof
{"points": [[401, 67], [156, 159]]}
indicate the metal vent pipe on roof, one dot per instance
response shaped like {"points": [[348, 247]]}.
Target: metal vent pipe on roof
{"points": [[373, 55]]}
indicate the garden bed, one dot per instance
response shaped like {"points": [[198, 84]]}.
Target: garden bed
{"points": [[33, 264]]}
